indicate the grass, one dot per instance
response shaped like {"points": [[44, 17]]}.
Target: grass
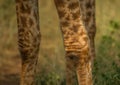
{"points": [[51, 65]]}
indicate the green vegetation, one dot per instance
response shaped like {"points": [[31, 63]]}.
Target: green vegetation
{"points": [[51, 64]]}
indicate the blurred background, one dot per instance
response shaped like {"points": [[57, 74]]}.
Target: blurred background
{"points": [[51, 64]]}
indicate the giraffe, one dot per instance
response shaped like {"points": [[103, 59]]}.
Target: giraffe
{"points": [[77, 23]]}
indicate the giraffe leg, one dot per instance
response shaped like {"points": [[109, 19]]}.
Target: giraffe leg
{"points": [[28, 38], [88, 8], [88, 15], [76, 42]]}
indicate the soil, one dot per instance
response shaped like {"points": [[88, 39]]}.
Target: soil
{"points": [[9, 70]]}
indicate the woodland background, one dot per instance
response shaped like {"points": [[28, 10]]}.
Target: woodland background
{"points": [[51, 65]]}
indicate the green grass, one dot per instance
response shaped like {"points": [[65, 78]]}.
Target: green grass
{"points": [[51, 65]]}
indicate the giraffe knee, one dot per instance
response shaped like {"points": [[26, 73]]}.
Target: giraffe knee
{"points": [[72, 57]]}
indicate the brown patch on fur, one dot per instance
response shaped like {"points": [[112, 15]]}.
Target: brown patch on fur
{"points": [[73, 6], [76, 15], [25, 9], [23, 21]]}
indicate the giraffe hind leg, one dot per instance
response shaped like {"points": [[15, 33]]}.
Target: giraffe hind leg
{"points": [[28, 38]]}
